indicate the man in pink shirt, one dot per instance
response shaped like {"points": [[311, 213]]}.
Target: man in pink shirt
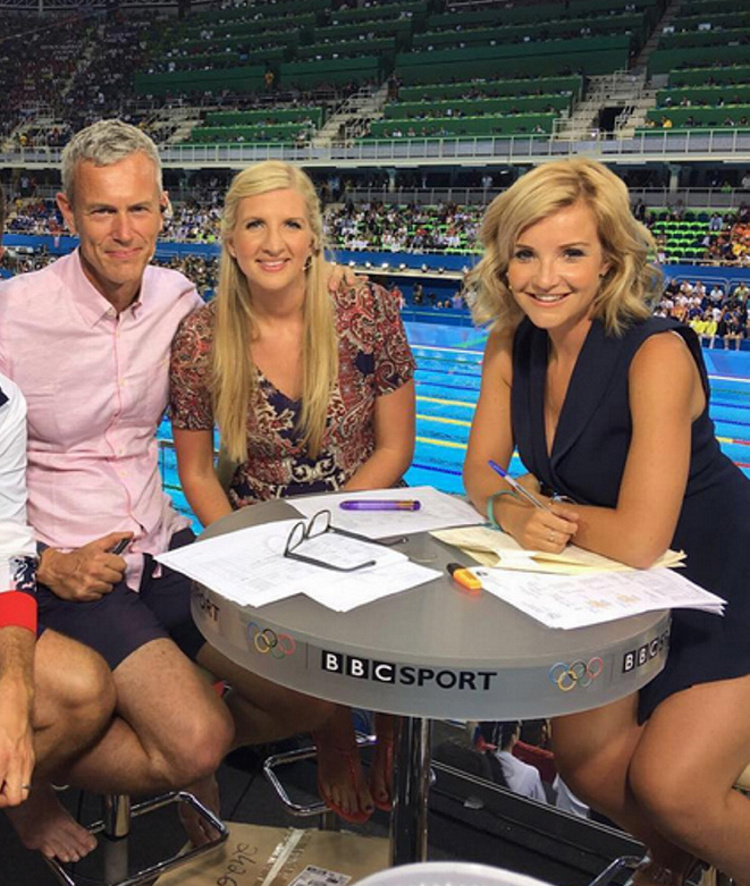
{"points": [[87, 340], [56, 696]]}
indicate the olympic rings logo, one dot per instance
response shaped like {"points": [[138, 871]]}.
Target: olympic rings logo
{"points": [[268, 642], [580, 673]]}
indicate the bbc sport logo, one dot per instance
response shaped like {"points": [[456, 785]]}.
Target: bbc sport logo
{"points": [[405, 675], [637, 658]]}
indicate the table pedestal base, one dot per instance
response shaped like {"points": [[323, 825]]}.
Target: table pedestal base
{"points": [[411, 785]]}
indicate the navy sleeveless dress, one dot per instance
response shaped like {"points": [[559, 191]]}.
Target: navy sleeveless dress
{"points": [[587, 462]]}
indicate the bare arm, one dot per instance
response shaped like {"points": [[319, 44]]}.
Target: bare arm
{"points": [[665, 396], [491, 437], [16, 702], [195, 464], [394, 441]]}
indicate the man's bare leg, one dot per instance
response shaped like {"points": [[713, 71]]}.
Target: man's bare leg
{"points": [[74, 700], [172, 731]]}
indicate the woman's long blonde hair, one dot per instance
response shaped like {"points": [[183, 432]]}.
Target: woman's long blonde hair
{"points": [[631, 282], [233, 371]]}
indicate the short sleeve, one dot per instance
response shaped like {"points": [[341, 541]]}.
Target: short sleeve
{"points": [[190, 406], [394, 362], [17, 544]]}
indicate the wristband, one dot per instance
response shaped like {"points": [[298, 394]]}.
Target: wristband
{"points": [[17, 609], [491, 508]]}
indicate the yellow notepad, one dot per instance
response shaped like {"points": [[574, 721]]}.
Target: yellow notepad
{"points": [[492, 548]]}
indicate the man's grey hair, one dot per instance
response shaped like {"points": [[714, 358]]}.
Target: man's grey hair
{"points": [[103, 144]]}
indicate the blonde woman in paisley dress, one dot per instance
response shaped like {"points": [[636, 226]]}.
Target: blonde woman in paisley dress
{"points": [[312, 391]]}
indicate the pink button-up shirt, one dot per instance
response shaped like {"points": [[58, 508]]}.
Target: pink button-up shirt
{"points": [[97, 385]]}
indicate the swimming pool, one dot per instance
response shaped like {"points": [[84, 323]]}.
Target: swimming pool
{"points": [[448, 377]]}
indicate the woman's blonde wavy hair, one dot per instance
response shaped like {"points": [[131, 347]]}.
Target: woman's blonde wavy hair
{"points": [[233, 371], [631, 282]]}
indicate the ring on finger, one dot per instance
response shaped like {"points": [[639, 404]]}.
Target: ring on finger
{"points": [[550, 536]]}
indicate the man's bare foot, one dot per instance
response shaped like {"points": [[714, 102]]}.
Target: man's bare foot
{"points": [[341, 782], [196, 827], [43, 824]]}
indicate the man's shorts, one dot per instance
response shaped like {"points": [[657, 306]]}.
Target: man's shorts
{"points": [[122, 621]]}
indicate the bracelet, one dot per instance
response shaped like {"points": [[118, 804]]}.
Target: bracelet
{"points": [[491, 508]]}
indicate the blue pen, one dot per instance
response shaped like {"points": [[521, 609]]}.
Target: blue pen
{"points": [[517, 488]]}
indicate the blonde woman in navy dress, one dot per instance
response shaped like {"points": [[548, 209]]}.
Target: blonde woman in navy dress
{"points": [[609, 406]]}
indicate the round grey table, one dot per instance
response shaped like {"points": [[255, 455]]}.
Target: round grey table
{"points": [[434, 651]]}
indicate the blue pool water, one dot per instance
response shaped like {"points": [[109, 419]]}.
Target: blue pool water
{"points": [[448, 377]]}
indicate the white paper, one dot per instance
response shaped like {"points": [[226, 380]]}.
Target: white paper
{"points": [[566, 601], [316, 876], [438, 510], [248, 567]]}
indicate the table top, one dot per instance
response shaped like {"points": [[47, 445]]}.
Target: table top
{"points": [[431, 651]]}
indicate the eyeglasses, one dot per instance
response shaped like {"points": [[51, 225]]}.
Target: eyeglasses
{"points": [[318, 525]]}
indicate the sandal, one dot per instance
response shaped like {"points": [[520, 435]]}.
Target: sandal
{"points": [[382, 764], [350, 759]]}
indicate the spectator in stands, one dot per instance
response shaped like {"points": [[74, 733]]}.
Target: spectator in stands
{"points": [[397, 295], [567, 801], [731, 330], [272, 361], [533, 747], [521, 778], [716, 295], [705, 327], [56, 696], [567, 284]]}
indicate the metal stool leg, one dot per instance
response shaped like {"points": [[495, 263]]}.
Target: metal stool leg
{"points": [[116, 819], [115, 828]]}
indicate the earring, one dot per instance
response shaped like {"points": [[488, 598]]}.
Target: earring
{"points": [[308, 264]]}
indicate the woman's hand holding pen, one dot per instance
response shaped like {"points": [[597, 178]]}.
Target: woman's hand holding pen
{"points": [[536, 522], [538, 530]]}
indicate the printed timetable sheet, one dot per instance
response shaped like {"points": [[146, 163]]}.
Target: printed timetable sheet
{"points": [[574, 601]]}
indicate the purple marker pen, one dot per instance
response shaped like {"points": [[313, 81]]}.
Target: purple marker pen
{"points": [[373, 504]]}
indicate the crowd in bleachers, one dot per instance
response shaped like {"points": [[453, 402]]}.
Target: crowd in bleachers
{"points": [[716, 313], [404, 228], [721, 238], [85, 66]]}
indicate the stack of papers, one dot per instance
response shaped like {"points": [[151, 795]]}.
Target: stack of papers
{"points": [[574, 601], [249, 567], [492, 548]]}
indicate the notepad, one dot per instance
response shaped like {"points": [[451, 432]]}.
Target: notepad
{"points": [[497, 549]]}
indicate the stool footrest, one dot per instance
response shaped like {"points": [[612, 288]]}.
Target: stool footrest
{"points": [[306, 753], [624, 863], [119, 860]]}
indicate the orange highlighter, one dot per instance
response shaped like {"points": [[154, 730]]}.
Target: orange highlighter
{"points": [[461, 575]]}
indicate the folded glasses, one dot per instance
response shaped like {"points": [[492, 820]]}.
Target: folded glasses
{"points": [[318, 525]]}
